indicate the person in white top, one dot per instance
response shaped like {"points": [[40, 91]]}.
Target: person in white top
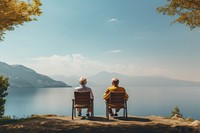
{"points": [[83, 87]]}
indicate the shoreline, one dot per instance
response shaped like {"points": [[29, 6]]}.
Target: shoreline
{"points": [[53, 123]]}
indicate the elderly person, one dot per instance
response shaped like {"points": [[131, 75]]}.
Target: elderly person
{"points": [[114, 88], [83, 87]]}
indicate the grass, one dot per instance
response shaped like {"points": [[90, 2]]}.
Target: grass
{"points": [[10, 120]]}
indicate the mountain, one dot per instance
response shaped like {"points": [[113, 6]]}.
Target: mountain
{"points": [[104, 79], [23, 77], [71, 80]]}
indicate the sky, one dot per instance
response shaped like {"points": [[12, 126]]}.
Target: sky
{"points": [[84, 37]]}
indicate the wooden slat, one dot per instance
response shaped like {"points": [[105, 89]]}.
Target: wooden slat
{"points": [[82, 98], [117, 98]]}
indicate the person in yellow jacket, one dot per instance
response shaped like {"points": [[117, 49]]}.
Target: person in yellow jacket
{"points": [[114, 88]]}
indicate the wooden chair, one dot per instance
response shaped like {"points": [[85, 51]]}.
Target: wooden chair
{"points": [[82, 100], [117, 100]]}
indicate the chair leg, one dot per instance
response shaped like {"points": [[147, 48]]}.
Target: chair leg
{"points": [[92, 111], [72, 110], [126, 111], [126, 114], [107, 111], [75, 112]]}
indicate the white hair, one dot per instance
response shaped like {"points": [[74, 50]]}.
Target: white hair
{"points": [[115, 79], [82, 80]]}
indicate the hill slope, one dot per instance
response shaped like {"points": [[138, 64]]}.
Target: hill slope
{"points": [[23, 77]]}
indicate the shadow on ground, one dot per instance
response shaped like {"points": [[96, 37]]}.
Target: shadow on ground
{"points": [[114, 119], [134, 119]]}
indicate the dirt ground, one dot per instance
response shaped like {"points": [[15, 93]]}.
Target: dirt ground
{"points": [[99, 124]]}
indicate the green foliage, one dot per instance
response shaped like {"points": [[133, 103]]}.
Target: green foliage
{"points": [[176, 111], [23, 77], [3, 93], [10, 120]]}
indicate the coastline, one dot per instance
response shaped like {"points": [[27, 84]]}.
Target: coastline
{"points": [[52, 123]]}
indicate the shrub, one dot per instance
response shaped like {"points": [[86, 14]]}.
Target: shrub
{"points": [[176, 111], [3, 93]]}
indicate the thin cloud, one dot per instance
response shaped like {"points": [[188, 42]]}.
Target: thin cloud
{"points": [[115, 51], [78, 65], [113, 20]]}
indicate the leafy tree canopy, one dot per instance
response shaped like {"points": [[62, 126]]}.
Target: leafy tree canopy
{"points": [[16, 12], [188, 11]]}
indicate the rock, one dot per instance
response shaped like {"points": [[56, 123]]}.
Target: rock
{"points": [[195, 123], [181, 119], [177, 117], [190, 119]]}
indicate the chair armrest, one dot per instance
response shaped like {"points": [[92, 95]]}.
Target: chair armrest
{"points": [[106, 101], [92, 101]]}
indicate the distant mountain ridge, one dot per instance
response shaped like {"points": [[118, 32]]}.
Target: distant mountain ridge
{"points": [[104, 79], [24, 77]]}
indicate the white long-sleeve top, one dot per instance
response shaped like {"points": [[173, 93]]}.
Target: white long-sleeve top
{"points": [[84, 88]]}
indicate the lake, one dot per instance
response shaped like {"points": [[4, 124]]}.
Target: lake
{"points": [[143, 101]]}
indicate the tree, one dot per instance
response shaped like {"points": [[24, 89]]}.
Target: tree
{"points": [[187, 11], [16, 12], [12, 14], [3, 88]]}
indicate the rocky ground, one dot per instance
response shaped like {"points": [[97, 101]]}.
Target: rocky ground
{"points": [[99, 124]]}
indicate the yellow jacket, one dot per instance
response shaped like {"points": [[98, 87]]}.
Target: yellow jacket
{"points": [[114, 89]]}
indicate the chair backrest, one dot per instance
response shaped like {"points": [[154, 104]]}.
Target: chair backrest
{"points": [[117, 98], [82, 98]]}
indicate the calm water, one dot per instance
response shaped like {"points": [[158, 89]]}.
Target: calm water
{"points": [[142, 101]]}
